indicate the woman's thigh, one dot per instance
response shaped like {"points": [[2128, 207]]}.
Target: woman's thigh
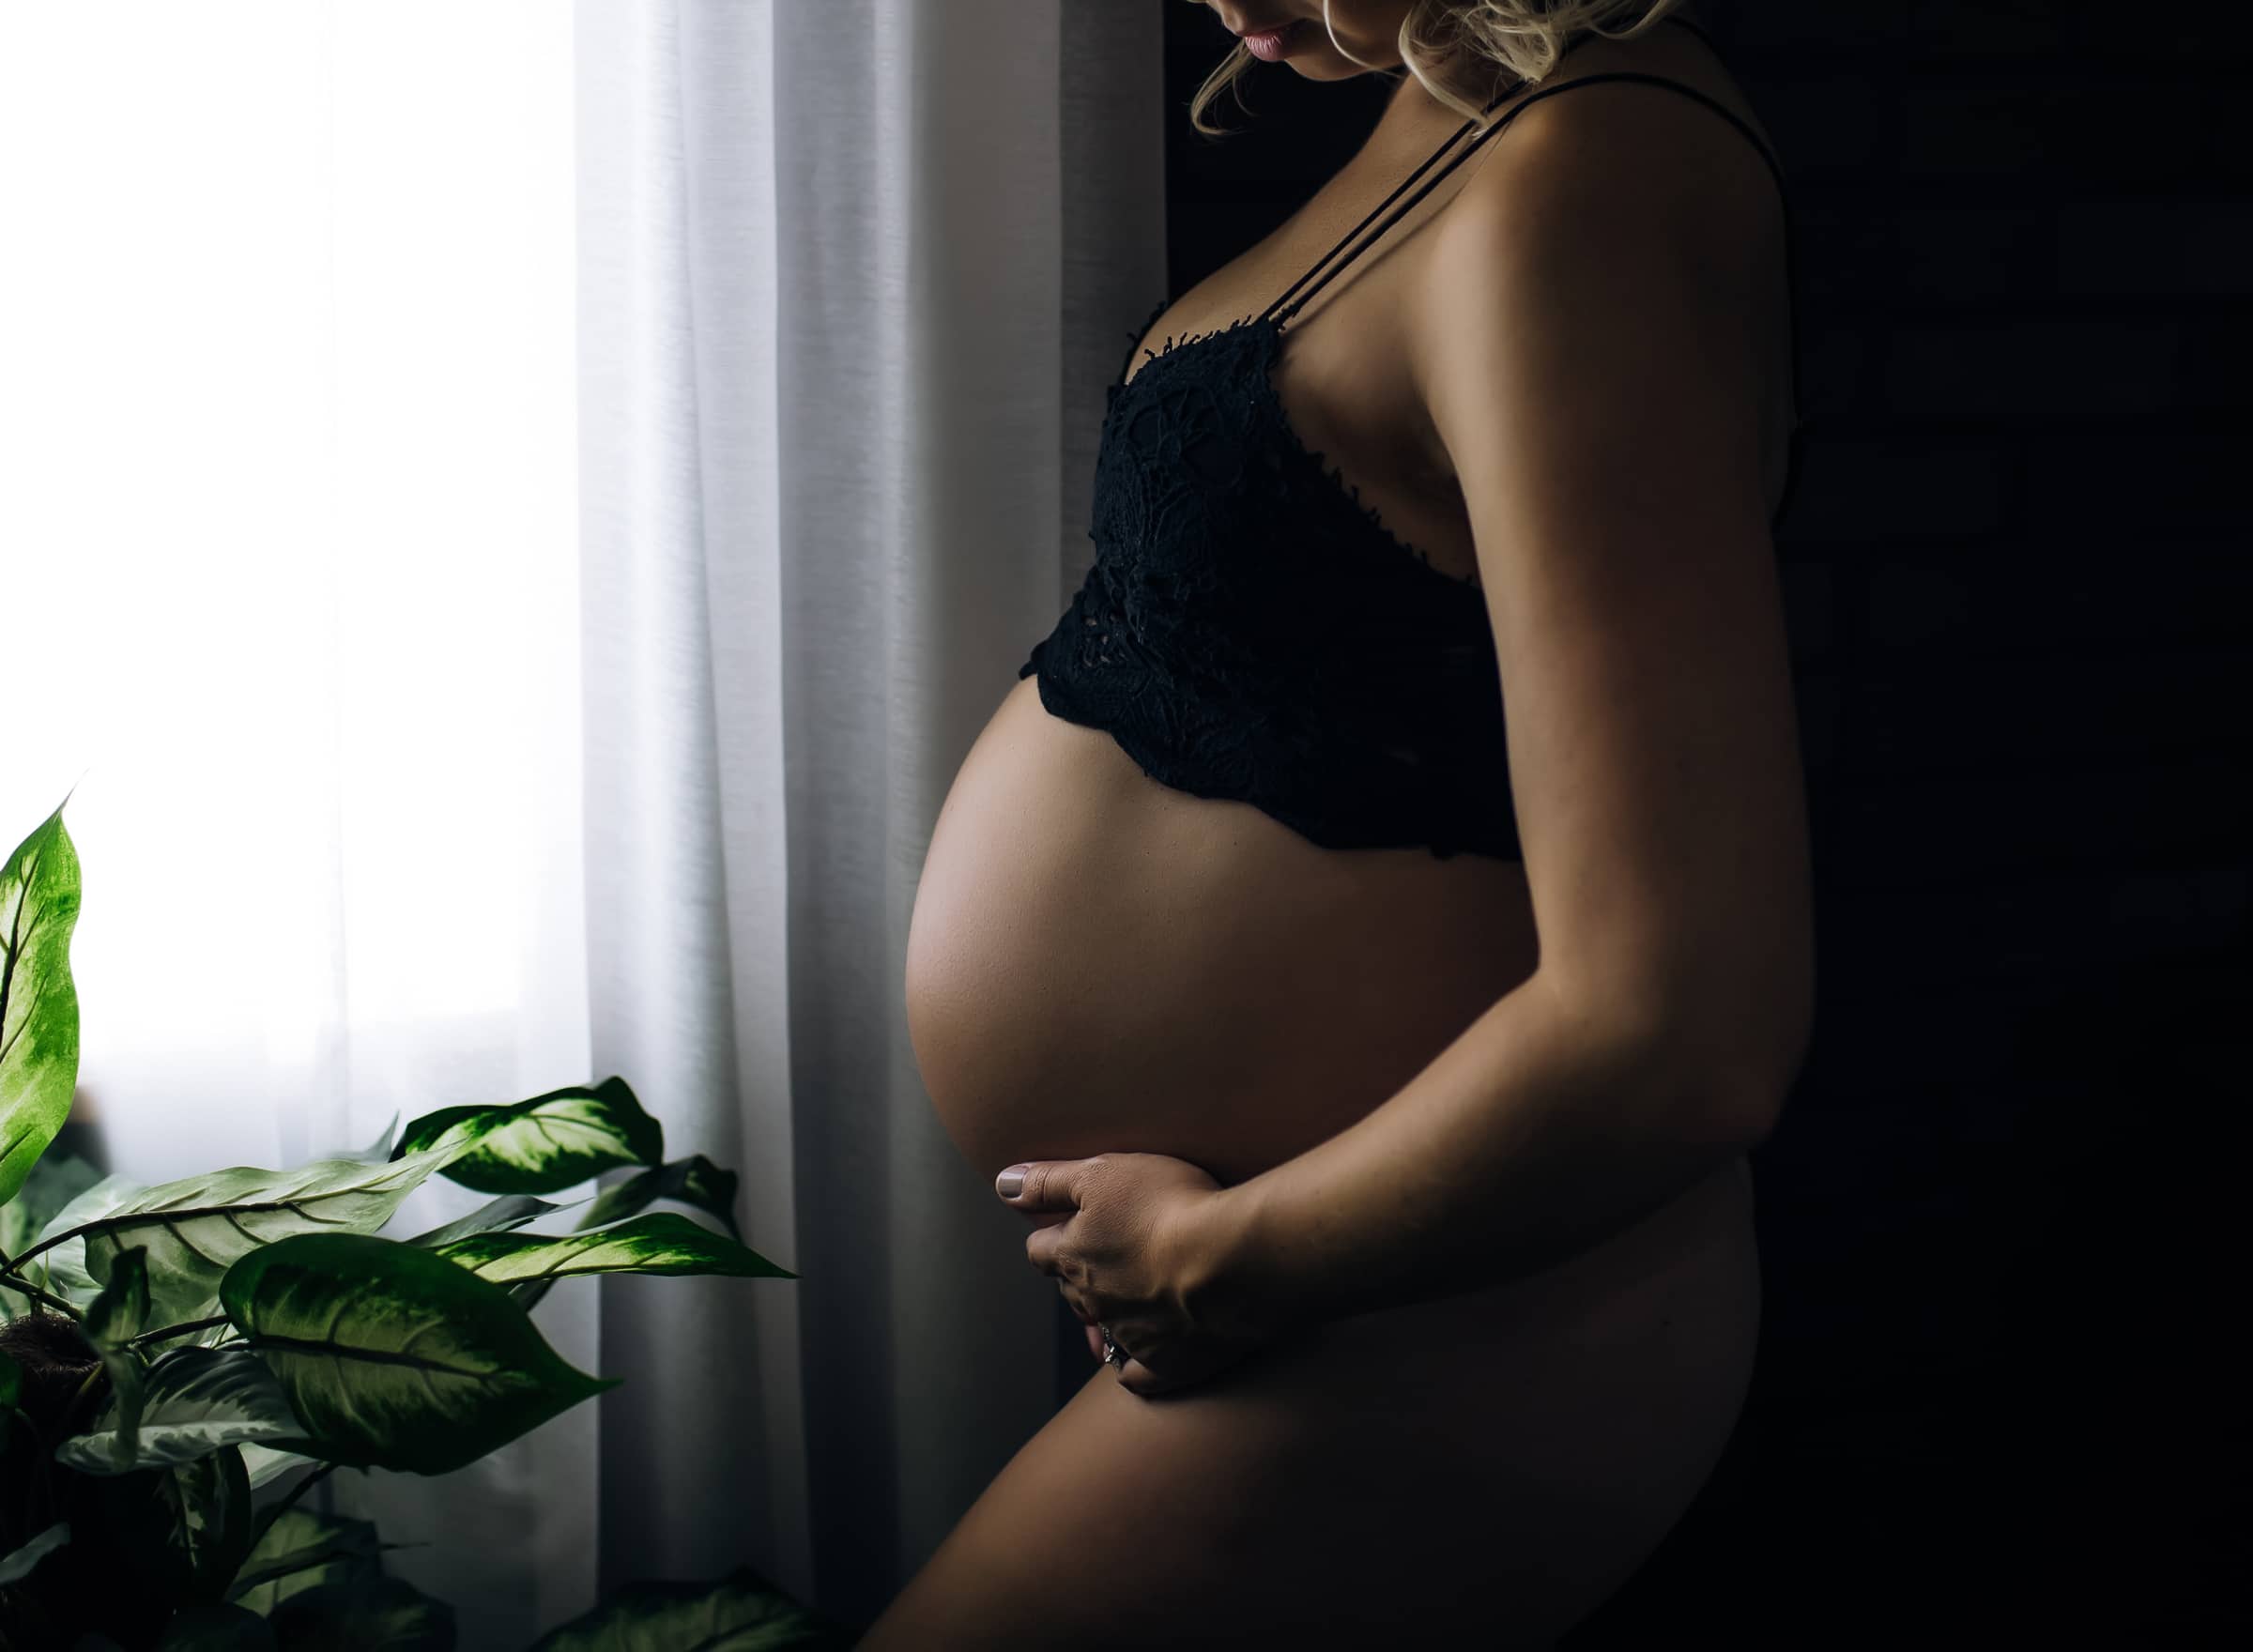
{"points": [[1489, 1465]]}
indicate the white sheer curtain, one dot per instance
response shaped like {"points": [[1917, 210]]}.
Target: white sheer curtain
{"points": [[854, 277], [490, 527]]}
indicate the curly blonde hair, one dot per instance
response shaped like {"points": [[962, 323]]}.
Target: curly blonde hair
{"points": [[1466, 42]]}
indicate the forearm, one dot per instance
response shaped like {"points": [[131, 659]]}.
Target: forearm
{"points": [[1531, 1138]]}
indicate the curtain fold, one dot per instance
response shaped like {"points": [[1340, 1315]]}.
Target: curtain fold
{"points": [[852, 277]]}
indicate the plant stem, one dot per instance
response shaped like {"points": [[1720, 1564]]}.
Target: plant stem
{"points": [[31, 1291], [180, 1330], [15, 1262]]}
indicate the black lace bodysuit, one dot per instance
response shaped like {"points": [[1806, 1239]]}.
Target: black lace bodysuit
{"points": [[1250, 631]]}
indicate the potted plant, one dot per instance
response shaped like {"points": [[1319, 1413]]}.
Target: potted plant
{"points": [[168, 1352]]}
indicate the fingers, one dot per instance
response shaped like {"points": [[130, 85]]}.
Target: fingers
{"points": [[1095, 1341], [1041, 1185]]}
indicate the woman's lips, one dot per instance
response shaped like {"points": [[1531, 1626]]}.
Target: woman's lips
{"points": [[1274, 44]]}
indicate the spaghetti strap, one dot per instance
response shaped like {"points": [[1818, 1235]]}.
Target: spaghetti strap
{"points": [[1679, 21], [1278, 302], [1290, 307], [1775, 169], [1284, 306]]}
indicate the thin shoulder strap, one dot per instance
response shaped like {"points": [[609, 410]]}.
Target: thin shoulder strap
{"points": [[1287, 310], [1430, 161]]}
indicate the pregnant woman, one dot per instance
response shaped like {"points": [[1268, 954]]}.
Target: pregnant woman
{"points": [[1366, 941]]}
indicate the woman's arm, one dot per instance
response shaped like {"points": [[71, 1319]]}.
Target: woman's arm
{"points": [[1592, 347], [1539, 1132]]}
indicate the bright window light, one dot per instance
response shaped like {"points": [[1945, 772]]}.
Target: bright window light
{"points": [[287, 528]]}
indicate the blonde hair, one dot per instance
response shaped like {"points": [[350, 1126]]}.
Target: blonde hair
{"points": [[1514, 39]]}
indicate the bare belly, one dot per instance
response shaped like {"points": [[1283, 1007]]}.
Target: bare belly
{"points": [[1101, 963]]}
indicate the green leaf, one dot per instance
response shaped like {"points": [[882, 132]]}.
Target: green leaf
{"points": [[658, 1242], [363, 1615], [120, 1312], [15, 1568], [62, 1268], [545, 1144], [394, 1357], [511, 1210], [198, 1227], [184, 1528], [695, 1180], [38, 1002], [741, 1612], [265, 1464], [128, 1389], [379, 1149], [54, 1183], [196, 1401], [206, 1626], [300, 1550], [526, 1293]]}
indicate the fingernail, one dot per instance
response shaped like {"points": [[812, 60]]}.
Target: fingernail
{"points": [[1011, 1182]]}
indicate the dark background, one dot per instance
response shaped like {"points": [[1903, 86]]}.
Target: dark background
{"points": [[1999, 1279]]}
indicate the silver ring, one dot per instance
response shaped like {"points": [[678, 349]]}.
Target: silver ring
{"points": [[1112, 1352]]}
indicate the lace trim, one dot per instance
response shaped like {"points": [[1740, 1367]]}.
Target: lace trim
{"points": [[1264, 387]]}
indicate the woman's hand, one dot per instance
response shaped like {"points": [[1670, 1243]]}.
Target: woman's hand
{"points": [[1139, 1242]]}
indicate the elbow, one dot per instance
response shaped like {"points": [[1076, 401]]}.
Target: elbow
{"points": [[1748, 1116], [1725, 1069], [1715, 1057], [1744, 1065]]}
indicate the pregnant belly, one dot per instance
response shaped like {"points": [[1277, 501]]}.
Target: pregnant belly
{"points": [[1099, 963]]}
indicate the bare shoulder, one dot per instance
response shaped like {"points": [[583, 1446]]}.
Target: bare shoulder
{"points": [[1599, 169], [1619, 189]]}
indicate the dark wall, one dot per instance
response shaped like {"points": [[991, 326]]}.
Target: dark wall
{"points": [[1989, 1402]]}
